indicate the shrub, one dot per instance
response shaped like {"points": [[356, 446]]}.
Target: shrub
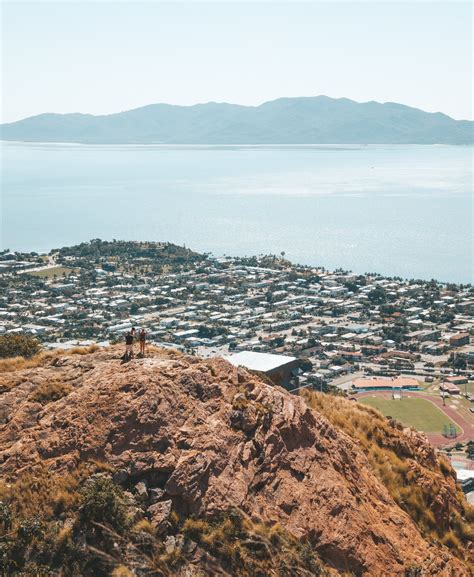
{"points": [[451, 540], [5, 516], [414, 571], [103, 502], [144, 526], [29, 529], [18, 345], [249, 548]]}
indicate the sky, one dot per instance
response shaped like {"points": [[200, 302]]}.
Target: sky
{"points": [[101, 57]]}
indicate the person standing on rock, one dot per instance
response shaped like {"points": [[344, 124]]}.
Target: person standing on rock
{"points": [[129, 345], [142, 340]]}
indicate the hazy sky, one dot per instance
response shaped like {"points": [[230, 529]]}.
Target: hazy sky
{"points": [[103, 57]]}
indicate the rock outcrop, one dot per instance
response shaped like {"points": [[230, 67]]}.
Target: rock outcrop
{"points": [[199, 437]]}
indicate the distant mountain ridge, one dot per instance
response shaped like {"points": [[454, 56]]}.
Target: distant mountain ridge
{"points": [[302, 120]]}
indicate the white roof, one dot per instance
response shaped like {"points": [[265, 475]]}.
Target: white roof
{"points": [[259, 361], [464, 474]]}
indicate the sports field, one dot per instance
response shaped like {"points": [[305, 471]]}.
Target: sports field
{"points": [[417, 413], [51, 272]]}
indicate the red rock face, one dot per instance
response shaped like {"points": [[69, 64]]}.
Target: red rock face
{"points": [[205, 437]]}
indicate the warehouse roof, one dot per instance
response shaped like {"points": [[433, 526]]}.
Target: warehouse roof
{"points": [[263, 362]]}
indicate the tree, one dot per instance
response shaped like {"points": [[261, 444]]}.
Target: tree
{"points": [[470, 450], [458, 363], [377, 295], [305, 364], [134, 309], [18, 345], [351, 286]]}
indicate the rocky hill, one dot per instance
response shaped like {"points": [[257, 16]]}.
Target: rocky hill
{"points": [[306, 120], [174, 465]]}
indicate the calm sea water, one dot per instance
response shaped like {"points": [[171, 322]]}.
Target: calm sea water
{"points": [[398, 210]]}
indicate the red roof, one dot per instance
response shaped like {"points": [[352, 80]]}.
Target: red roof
{"points": [[378, 382]]}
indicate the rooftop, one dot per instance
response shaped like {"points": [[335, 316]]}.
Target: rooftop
{"points": [[380, 382], [263, 362]]}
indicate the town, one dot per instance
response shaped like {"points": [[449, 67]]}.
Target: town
{"points": [[302, 326], [335, 323]]}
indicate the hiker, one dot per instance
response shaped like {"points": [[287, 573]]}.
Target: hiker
{"points": [[129, 344], [142, 339]]}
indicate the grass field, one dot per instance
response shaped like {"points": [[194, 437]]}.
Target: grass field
{"points": [[52, 272], [417, 413], [470, 388]]}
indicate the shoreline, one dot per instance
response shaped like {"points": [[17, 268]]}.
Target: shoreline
{"points": [[191, 145], [213, 256]]}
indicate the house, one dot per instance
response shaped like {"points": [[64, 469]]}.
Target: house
{"points": [[279, 368], [370, 350], [351, 355], [459, 340], [447, 387], [457, 380]]}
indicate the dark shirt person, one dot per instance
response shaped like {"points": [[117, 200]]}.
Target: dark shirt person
{"points": [[129, 344]]}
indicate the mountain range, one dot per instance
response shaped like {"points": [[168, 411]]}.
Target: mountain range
{"points": [[303, 120]]}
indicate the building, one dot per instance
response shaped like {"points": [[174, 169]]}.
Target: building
{"points": [[379, 383], [279, 368], [449, 388], [457, 380], [459, 340]]}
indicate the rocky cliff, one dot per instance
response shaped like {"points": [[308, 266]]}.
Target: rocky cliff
{"points": [[186, 439]]}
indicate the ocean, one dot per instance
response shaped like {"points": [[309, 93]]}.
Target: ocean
{"points": [[398, 210]]}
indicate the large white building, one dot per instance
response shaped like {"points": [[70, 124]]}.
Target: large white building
{"points": [[279, 368]]}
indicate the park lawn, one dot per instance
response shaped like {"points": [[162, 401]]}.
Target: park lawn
{"points": [[417, 413], [57, 271]]}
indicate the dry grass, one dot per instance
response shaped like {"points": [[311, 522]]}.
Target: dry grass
{"points": [[249, 548], [84, 350], [44, 493], [50, 391], [144, 526], [122, 571], [397, 465], [20, 363]]}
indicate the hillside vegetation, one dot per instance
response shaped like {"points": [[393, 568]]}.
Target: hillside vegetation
{"points": [[418, 480]]}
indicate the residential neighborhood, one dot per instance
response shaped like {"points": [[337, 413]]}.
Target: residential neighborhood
{"points": [[340, 325]]}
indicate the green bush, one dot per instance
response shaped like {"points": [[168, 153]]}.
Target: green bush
{"points": [[18, 345], [103, 502]]}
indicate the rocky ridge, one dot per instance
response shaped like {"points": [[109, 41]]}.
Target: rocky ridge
{"points": [[199, 437]]}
